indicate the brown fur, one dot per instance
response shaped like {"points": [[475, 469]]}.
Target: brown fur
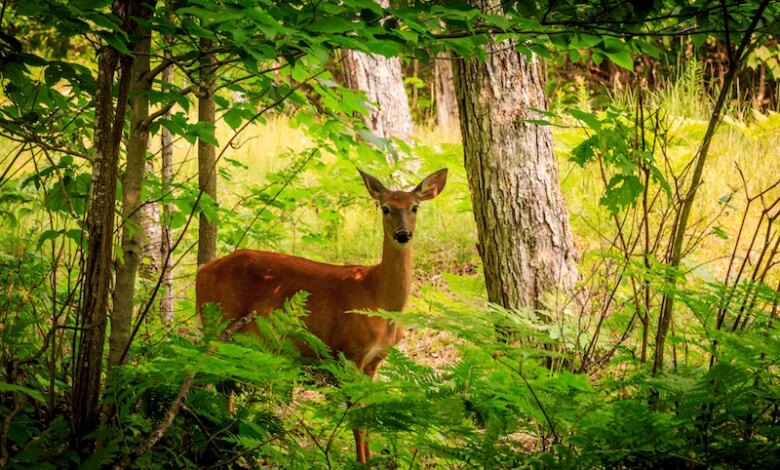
{"points": [[250, 281]]}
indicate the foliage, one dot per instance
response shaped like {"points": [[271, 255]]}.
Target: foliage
{"points": [[575, 391], [496, 406]]}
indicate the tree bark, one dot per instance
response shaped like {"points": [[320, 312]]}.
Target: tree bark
{"points": [[207, 157], [166, 141], [132, 183], [93, 308], [444, 91], [153, 231], [381, 79], [525, 241]]}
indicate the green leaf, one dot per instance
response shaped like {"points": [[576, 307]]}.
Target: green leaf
{"points": [[622, 58], [333, 24], [34, 60], [178, 219], [114, 40], [233, 118], [589, 119], [584, 152], [13, 388], [698, 40], [46, 236], [540, 122], [540, 50], [208, 207], [659, 178], [205, 132], [622, 191]]}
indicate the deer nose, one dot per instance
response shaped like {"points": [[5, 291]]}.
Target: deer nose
{"points": [[402, 236]]}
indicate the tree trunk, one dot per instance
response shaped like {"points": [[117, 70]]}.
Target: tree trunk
{"points": [[524, 238], [93, 309], [151, 261], [381, 79], [207, 161], [132, 228], [444, 92], [166, 179]]}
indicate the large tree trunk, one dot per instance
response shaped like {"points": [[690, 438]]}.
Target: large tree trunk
{"points": [[93, 310], [524, 238], [207, 158], [381, 79], [444, 92], [132, 228]]}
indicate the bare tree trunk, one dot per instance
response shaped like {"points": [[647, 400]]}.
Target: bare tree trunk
{"points": [[132, 182], [152, 229], [444, 91], [381, 79], [524, 237], [93, 309], [758, 101], [166, 141], [207, 157]]}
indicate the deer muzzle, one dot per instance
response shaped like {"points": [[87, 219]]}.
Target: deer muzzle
{"points": [[402, 236]]}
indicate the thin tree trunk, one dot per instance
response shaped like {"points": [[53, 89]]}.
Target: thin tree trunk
{"points": [[166, 141], [152, 229], [207, 153], [761, 93], [132, 182], [444, 91], [415, 90], [93, 309], [525, 241]]}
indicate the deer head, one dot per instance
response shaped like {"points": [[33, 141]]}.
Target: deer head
{"points": [[399, 208]]}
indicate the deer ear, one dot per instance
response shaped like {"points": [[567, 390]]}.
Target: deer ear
{"points": [[375, 188], [431, 186]]}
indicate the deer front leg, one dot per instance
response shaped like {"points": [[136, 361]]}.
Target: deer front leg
{"points": [[361, 445], [361, 435]]}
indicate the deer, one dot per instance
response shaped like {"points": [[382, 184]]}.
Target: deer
{"points": [[249, 283]]}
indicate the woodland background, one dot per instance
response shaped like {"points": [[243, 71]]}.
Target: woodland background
{"points": [[597, 287]]}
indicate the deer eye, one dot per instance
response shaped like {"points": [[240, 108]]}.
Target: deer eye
{"points": [[385, 210], [414, 209]]}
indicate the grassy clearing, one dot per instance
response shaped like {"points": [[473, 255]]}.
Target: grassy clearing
{"points": [[447, 235], [447, 232], [446, 261]]}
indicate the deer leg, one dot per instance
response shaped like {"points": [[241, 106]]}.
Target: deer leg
{"points": [[361, 435], [230, 404], [361, 446]]}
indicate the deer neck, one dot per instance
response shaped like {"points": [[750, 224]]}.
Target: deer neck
{"points": [[395, 275]]}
